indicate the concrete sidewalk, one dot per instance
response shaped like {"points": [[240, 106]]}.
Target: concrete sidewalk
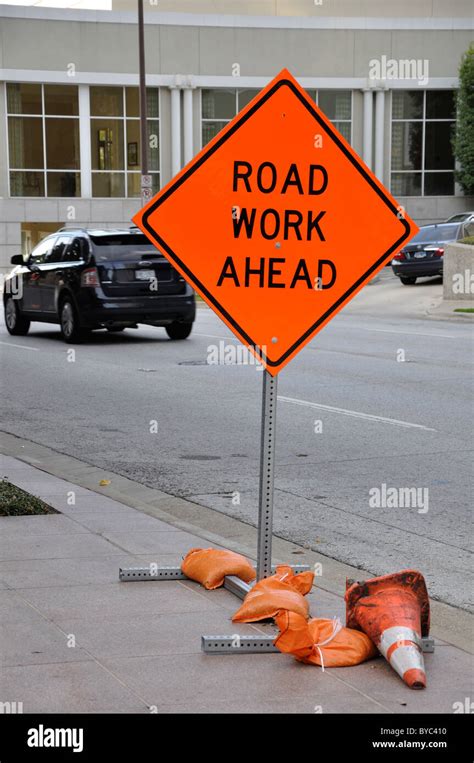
{"points": [[74, 639], [445, 309]]}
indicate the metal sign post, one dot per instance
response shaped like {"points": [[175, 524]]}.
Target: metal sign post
{"points": [[267, 471]]}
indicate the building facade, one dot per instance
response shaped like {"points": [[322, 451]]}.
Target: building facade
{"points": [[69, 107]]}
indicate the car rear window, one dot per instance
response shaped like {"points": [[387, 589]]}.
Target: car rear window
{"points": [[436, 233], [122, 246]]}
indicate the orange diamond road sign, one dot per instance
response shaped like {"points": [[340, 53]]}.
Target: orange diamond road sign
{"points": [[277, 223]]}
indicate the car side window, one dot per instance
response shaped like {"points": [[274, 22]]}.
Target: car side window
{"points": [[42, 250], [58, 248], [76, 250]]}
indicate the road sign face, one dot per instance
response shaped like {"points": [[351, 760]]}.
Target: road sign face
{"points": [[276, 223]]}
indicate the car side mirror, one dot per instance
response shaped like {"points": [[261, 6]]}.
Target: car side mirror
{"points": [[32, 266], [17, 259]]}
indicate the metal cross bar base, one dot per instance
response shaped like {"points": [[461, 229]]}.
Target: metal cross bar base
{"points": [[237, 644], [427, 644], [250, 645], [237, 586], [153, 572], [130, 574]]}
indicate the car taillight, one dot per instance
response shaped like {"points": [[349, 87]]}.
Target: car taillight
{"points": [[400, 256], [90, 277], [437, 252]]}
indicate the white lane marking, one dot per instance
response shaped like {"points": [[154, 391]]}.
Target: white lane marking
{"points": [[355, 414], [20, 346], [335, 325], [369, 328], [411, 333], [216, 336]]}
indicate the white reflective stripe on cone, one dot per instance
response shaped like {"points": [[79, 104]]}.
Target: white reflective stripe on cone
{"points": [[405, 658], [397, 634], [401, 655]]}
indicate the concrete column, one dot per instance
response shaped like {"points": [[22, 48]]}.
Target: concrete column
{"points": [[85, 141], [188, 124], [379, 133], [368, 122], [175, 130]]}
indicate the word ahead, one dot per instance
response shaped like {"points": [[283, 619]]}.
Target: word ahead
{"points": [[266, 274], [276, 223]]}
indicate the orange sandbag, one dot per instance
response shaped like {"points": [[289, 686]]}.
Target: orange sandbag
{"points": [[209, 566], [282, 591], [322, 642]]}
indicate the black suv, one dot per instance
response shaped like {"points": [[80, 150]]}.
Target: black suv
{"points": [[90, 279]]}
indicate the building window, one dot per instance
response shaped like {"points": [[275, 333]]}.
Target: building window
{"points": [[422, 161], [220, 106], [115, 140], [337, 106], [43, 140]]}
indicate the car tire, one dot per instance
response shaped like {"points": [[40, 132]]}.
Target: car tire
{"points": [[16, 323], [71, 330], [407, 280], [179, 330]]}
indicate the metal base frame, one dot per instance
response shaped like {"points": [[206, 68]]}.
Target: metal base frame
{"points": [[153, 572], [264, 644], [234, 644]]}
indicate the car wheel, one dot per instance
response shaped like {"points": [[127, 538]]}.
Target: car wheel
{"points": [[407, 280], [16, 323], [71, 330], [179, 330]]}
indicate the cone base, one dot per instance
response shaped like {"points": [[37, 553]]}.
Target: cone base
{"points": [[415, 678]]}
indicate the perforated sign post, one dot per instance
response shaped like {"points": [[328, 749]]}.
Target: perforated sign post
{"points": [[277, 224]]}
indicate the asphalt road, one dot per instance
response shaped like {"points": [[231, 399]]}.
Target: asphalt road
{"points": [[351, 418]]}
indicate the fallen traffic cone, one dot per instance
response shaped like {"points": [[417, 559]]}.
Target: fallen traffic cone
{"points": [[394, 610]]}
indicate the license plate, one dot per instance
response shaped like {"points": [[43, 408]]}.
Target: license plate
{"points": [[144, 275], [419, 255]]}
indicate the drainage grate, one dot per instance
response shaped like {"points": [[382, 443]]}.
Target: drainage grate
{"points": [[201, 458]]}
